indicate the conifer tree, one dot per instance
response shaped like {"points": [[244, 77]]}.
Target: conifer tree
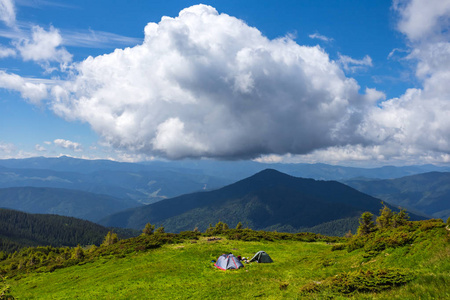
{"points": [[148, 229], [78, 252], [385, 218], [110, 238], [400, 218], [239, 225], [160, 230], [366, 224]]}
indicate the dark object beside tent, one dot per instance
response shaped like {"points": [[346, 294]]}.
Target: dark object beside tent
{"points": [[261, 257], [228, 262]]}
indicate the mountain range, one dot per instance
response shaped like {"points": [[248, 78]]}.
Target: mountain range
{"points": [[427, 193], [95, 189], [268, 200], [152, 181], [64, 202]]}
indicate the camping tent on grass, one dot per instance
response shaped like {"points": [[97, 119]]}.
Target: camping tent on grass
{"points": [[228, 262], [261, 257]]}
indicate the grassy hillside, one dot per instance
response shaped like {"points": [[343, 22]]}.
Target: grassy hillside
{"points": [[409, 262], [268, 200], [428, 193]]}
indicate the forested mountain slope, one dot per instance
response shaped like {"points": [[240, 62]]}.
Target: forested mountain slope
{"points": [[267, 200], [18, 229], [428, 193]]}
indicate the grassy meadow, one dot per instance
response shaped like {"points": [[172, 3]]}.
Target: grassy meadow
{"points": [[416, 266]]}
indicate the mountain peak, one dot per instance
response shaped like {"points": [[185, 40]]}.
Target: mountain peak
{"points": [[269, 173]]}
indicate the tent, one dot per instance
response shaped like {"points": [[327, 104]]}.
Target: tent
{"points": [[261, 257], [228, 262]]}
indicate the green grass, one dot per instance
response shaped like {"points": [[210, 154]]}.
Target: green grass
{"points": [[185, 271]]}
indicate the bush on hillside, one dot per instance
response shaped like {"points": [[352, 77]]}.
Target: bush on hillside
{"points": [[361, 281]]}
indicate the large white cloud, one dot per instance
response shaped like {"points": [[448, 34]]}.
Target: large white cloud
{"points": [[205, 84], [417, 123]]}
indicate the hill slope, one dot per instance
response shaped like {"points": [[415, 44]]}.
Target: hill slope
{"points": [[428, 193], [18, 229], [409, 262], [62, 202], [267, 200]]}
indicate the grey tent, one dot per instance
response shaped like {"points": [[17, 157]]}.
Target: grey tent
{"points": [[228, 262], [261, 257]]}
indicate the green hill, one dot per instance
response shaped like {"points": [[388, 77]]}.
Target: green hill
{"points": [[18, 230], [267, 200], [408, 262], [428, 193]]}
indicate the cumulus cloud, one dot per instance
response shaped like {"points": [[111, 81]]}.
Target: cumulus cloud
{"points": [[423, 19], [34, 92], [416, 124], [7, 12], [66, 144], [205, 84], [44, 46], [352, 64]]}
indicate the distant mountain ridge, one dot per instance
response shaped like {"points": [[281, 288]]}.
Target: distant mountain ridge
{"points": [[221, 169], [428, 193], [268, 199], [145, 186], [64, 202]]}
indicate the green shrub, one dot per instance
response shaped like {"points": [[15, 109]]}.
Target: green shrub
{"points": [[431, 223], [5, 290], [369, 280], [338, 247]]}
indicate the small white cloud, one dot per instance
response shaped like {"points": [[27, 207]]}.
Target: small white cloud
{"points": [[39, 148], [8, 12], [392, 54], [353, 65], [66, 144], [320, 37], [34, 92], [6, 52], [6, 148], [44, 47]]}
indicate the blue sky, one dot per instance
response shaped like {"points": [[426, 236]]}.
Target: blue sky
{"points": [[341, 82]]}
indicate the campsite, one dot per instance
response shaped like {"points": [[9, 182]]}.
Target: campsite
{"points": [[404, 263]]}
